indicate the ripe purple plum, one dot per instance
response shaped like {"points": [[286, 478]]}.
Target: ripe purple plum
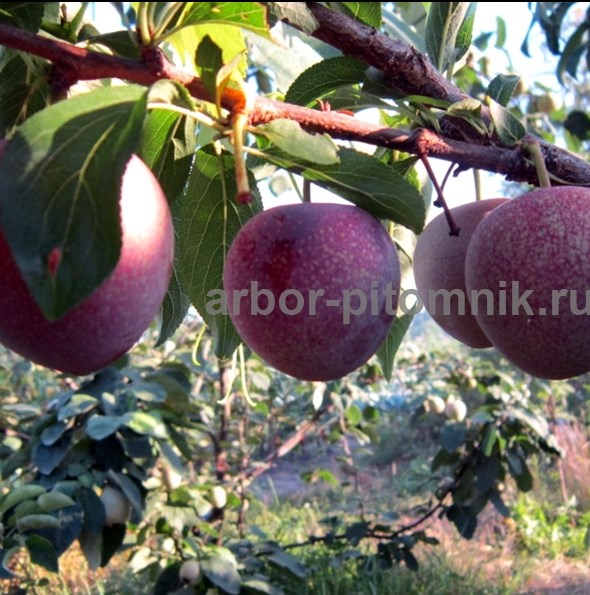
{"points": [[319, 285]]}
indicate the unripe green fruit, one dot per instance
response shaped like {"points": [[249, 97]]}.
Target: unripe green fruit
{"points": [[436, 404], [116, 506], [456, 410], [190, 573], [218, 496], [171, 478]]}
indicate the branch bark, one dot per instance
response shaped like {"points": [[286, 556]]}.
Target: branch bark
{"points": [[406, 69]]}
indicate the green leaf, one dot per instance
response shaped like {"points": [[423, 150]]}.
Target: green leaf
{"points": [[395, 26], [500, 33], [489, 439], [449, 28], [501, 88], [291, 138], [53, 433], [386, 353], [145, 424], [323, 77], [508, 127], [120, 42], [356, 532], [288, 562], [210, 217], [42, 553], [20, 93], [112, 539], [93, 515], [25, 15], [524, 480], [466, 108], [209, 60], [34, 522], [453, 436], [54, 501], [247, 15], [499, 504], [167, 147], [61, 179], [259, 585], [176, 303], [20, 494], [328, 477], [353, 415], [366, 12], [487, 471], [410, 560], [295, 13], [48, 458], [515, 463], [221, 569], [99, 427], [230, 40], [464, 519], [77, 405], [575, 48], [364, 181]]}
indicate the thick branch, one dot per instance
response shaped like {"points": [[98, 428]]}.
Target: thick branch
{"points": [[72, 63], [405, 69]]}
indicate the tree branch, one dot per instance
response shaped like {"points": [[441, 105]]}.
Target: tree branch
{"points": [[72, 63]]}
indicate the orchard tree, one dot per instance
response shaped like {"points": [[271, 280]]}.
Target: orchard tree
{"points": [[222, 101]]}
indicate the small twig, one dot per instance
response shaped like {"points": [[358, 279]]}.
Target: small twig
{"points": [[440, 202]]}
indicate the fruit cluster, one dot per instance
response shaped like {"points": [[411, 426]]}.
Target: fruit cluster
{"points": [[516, 278]]}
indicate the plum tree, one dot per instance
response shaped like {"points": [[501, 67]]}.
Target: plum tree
{"points": [[439, 271], [208, 134], [107, 323], [527, 261], [321, 282]]}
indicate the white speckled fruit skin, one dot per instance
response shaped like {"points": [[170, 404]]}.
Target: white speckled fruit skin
{"points": [[439, 264], [306, 247], [541, 240], [107, 323]]}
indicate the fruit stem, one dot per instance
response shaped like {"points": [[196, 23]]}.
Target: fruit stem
{"points": [[477, 184], [239, 122], [534, 149], [454, 230], [306, 191]]}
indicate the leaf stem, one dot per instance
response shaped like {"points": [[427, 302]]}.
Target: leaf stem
{"points": [[534, 149], [77, 20], [195, 115], [165, 18], [143, 23]]}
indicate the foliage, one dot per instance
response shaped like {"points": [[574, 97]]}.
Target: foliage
{"points": [[220, 112]]}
